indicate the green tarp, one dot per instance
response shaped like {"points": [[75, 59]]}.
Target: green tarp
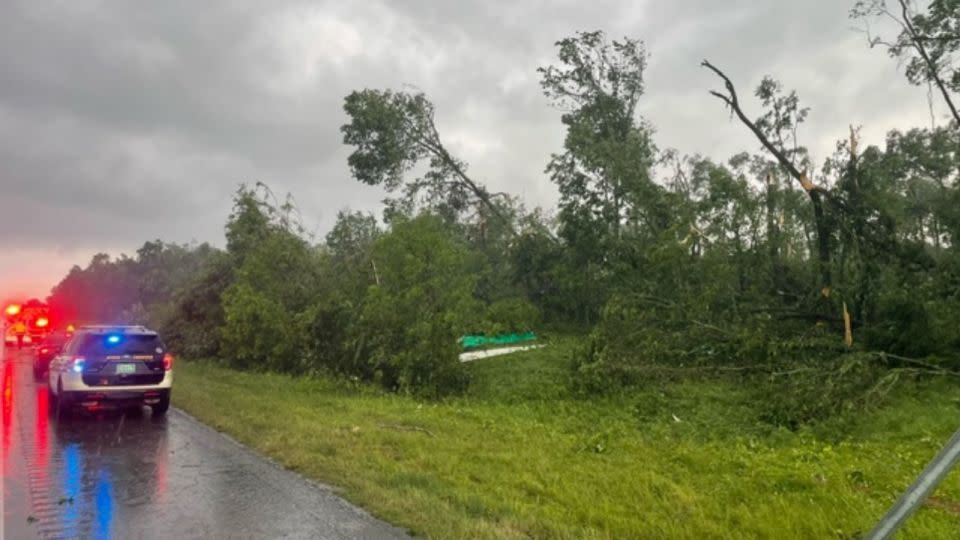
{"points": [[473, 342]]}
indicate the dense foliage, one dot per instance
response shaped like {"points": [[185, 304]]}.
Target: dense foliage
{"points": [[820, 291]]}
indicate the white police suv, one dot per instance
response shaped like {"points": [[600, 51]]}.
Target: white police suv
{"points": [[103, 367]]}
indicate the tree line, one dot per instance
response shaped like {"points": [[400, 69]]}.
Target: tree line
{"points": [[820, 285]]}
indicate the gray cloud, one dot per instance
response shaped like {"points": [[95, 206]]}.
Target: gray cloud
{"points": [[121, 122]]}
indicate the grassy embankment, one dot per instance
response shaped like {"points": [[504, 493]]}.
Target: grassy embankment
{"points": [[518, 457]]}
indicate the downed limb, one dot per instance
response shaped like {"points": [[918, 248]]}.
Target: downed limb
{"points": [[927, 366], [785, 313], [775, 371]]}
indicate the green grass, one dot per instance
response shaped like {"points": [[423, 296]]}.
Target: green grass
{"points": [[518, 457]]}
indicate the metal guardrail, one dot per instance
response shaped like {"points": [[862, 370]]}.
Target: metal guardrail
{"points": [[922, 487]]}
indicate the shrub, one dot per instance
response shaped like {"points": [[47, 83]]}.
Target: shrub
{"points": [[255, 334], [511, 315], [904, 327], [193, 326], [409, 323]]}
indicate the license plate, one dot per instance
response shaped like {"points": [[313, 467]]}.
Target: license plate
{"points": [[126, 369]]}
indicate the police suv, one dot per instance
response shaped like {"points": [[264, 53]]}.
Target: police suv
{"points": [[111, 367]]}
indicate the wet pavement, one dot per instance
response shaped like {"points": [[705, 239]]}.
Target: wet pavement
{"points": [[128, 475]]}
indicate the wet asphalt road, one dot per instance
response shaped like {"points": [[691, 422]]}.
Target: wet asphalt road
{"points": [[128, 475]]}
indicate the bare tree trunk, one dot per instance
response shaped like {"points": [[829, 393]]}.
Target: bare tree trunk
{"points": [[823, 243], [741, 273], [773, 234], [617, 202]]}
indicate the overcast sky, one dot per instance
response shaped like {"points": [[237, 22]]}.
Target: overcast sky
{"points": [[127, 121]]}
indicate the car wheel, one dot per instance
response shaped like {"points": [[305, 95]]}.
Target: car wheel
{"points": [[160, 409]]}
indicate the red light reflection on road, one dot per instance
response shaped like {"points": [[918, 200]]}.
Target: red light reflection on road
{"points": [[7, 412], [40, 433]]}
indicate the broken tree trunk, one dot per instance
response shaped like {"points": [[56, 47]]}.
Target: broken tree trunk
{"points": [[813, 192]]}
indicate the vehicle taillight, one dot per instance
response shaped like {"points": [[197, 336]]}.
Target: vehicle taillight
{"points": [[41, 322], [167, 362], [78, 363], [44, 350]]}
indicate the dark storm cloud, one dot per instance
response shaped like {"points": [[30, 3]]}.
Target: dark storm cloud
{"points": [[135, 72], [125, 121]]}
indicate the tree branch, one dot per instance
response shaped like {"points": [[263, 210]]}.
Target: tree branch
{"points": [[432, 144], [931, 66], [728, 101], [926, 365], [734, 103]]}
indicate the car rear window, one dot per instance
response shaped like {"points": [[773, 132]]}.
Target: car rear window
{"points": [[110, 344]]}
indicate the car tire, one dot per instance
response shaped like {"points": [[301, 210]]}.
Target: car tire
{"points": [[161, 408]]}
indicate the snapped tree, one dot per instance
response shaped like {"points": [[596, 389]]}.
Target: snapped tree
{"points": [[392, 133]]}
